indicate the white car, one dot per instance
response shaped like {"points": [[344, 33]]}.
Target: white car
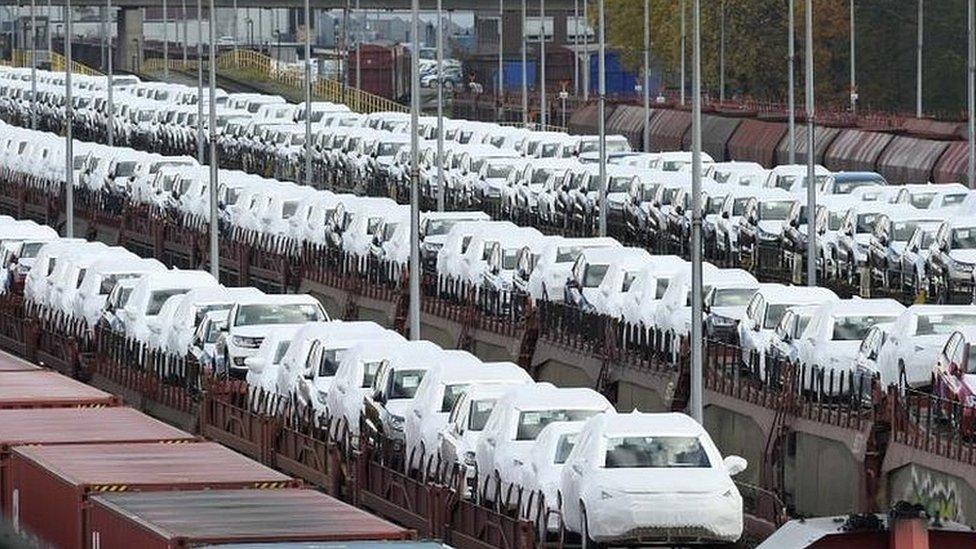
{"points": [[459, 438], [638, 303], [262, 368], [195, 304], [297, 365], [248, 317], [324, 356], [583, 287], [101, 277], [151, 292], [548, 277], [650, 478], [792, 178], [438, 392], [726, 293], [514, 424], [834, 333], [542, 472], [915, 340], [354, 377], [765, 311]]}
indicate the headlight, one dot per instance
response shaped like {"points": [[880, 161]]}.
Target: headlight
{"points": [[321, 397], [469, 458], [960, 266], [396, 421], [718, 320], [247, 342]]}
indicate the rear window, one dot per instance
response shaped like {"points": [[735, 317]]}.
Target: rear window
{"points": [[532, 422], [451, 394], [405, 383], [159, 297]]}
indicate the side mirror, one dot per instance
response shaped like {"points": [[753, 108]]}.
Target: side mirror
{"points": [[725, 215], [254, 364], [735, 465]]}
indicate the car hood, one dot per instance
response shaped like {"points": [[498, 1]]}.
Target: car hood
{"points": [[249, 331], [729, 312], [400, 406], [664, 480], [963, 256], [772, 227]]}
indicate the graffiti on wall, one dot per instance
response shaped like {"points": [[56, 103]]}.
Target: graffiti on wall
{"points": [[939, 494]]}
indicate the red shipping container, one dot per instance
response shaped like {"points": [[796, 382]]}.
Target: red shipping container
{"points": [[77, 426], [50, 485], [385, 69], [10, 363], [166, 520], [45, 389]]}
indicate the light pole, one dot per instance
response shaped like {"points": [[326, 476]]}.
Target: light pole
{"points": [[110, 76], [214, 222], [501, 55], [586, 50], [811, 176], [970, 94], [440, 108], [918, 59], [200, 138], [576, 52], [414, 311], [543, 108], [721, 55], [791, 93], [853, 65], [647, 73], [235, 23], [186, 34], [683, 52], [601, 116], [69, 170], [33, 65], [250, 32], [696, 404], [359, 48], [165, 42], [525, 73], [308, 93]]}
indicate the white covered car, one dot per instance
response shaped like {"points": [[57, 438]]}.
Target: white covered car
{"points": [[645, 478]]}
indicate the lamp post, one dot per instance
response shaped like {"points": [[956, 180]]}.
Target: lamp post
{"points": [[525, 73], [110, 76], [414, 309], [647, 70], [308, 93], [601, 116], [214, 221], [165, 42], [918, 60], [440, 108], [200, 137], [33, 65], [543, 108], [853, 64], [69, 170], [683, 51], [695, 401], [791, 91], [811, 179]]}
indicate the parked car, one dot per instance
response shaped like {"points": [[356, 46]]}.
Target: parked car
{"points": [[540, 475], [954, 380], [916, 338], [390, 398], [952, 257], [650, 477]]}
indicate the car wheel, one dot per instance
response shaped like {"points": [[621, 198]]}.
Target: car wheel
{"points": [[587, 541]]}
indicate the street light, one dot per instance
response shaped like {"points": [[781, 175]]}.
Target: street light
{"points": [[791, 92], [69, 170], [214, 222], [414, 307], [250, 32], [695, 404], [811, 179]]}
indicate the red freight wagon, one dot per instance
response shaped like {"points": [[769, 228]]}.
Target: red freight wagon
{"points": [[44, 389], [9, 363], [76, 426], [169, 520], [50, 485], [385, 69]]}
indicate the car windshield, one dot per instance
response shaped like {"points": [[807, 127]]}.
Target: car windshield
{"points": [[566, 254], [125, 169], [667, 452], [280, 351], [739, 206], [922, 200], [405, 383], [776, 210], [732, 297], [388, 149], [774, 313], [270, 313], [369, 373], [108, 281], [660, 287], [509, 259], [499, 171], [532, 422], [954, 199], [846, 186], [30, 249], [905, 229], [330, 362], [480, 411], [963, 239], [437, 227], [835, 220], [564, 446], [593, 274], [157, 298], [451, 394], [854, 328], [619, 184], [865, 223], [943, 324]]}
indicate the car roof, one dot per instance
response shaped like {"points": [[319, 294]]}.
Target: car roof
{"points": [[615, 254], [541, 396], [798, 295], [857, 306], [277, 299], [640, 423]]}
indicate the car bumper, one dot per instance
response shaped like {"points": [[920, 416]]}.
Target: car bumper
{"points": [[668, 518]]}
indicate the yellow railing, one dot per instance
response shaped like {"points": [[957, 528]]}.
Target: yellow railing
{"points": [[249, 64], [21, 58]]}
